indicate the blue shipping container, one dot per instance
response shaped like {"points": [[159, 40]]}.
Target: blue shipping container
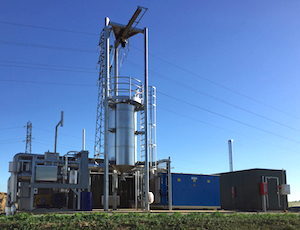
{"points": [[189, 190]]}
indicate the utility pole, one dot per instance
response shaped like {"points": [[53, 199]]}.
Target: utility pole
{"points": [[28, 137]]}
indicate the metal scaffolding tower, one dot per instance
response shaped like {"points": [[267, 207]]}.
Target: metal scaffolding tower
{"points": [[28, 137]]}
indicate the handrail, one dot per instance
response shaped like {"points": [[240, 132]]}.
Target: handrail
{"points": [[126, 86]]}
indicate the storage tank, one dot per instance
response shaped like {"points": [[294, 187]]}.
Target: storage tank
{"points": [[123, 123], [125, 141]]}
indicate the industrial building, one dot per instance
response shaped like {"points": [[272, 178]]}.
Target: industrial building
{"points": [[125, 172], [254, 190]]}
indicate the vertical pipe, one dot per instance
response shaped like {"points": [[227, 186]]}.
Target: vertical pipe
{"points": [[79, 199], [155, 135], [116, 70], [135, 137], [66, 169], [230, 155], [278, 192], [55, 143], [169, 185], [151, 127], [32, 180], [136, 189], [129, 87], [284, 198], [115, 189], [106, 168], [90, 180], [264, 203], [83, 139], [147, 208]]}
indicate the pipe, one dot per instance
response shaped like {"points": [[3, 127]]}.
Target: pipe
{"points": [[59, 123], [66, 164], [264, 202], [136, 189], [116, 69], [13, 180], [115, 189], [106, 167], [83, 139], [230, 155], [169, 185], [147, 208]]}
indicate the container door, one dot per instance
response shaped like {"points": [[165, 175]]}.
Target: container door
{"points": [[195, 190], [273, 199], [180, 190], [210, 191]]}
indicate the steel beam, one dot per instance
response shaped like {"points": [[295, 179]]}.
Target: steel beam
{"points": [[147, 208], [106, 167]]}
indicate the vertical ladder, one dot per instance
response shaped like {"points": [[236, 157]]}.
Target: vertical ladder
{"points": [[142, 137], [152, 128]]}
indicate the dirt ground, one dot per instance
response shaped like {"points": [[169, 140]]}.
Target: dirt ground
{"points": [[2, 201]]}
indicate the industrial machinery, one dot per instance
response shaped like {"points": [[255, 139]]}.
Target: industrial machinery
{"points": [[125, 113], [125, 117], [117, 176], [49, 180]]}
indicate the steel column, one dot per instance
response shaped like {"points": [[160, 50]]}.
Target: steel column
{"points": [[116, 70], [230, 155], [169, 185], [115, 189], [106, 168], [147, 208]]}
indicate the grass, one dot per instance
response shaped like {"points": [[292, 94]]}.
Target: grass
{"points": [[151, 221]]}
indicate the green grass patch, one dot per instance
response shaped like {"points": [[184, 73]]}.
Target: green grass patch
{"points": [[177, 220]]}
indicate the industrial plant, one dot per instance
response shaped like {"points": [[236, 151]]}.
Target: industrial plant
{"points": [[125, 171]]}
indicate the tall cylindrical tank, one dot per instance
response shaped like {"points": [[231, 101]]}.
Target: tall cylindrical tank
{"points": [[125, 136]]}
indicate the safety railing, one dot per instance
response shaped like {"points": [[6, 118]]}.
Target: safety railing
{"points": [[126, 86]]}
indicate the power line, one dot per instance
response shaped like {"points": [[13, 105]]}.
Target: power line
{"points": [[48, 83], [237, 121], [48, 28], [45, 46], [65, 70], [10, 142], [170, 96], [81, 50], [219, 85], [12, 128], [259, 140], [216, 98], [48, 143], [63, 134], [60, 66], [188, 71]]}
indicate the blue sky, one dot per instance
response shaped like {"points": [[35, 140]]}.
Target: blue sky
{"points": [[223, 70]]}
